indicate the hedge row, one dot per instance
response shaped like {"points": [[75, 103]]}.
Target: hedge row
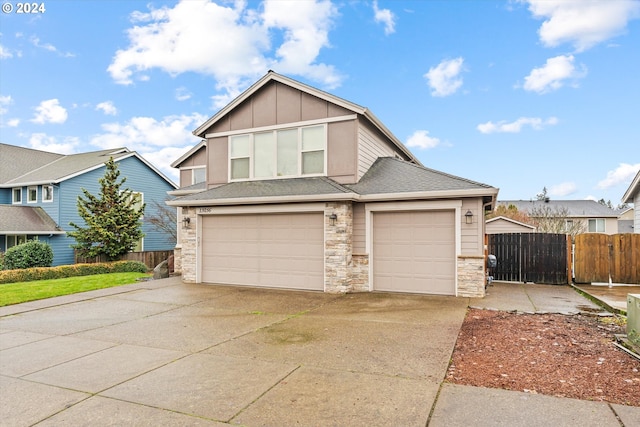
{"points": [[45, 273]]}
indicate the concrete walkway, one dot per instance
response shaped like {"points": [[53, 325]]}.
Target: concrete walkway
{"points": [[167, 353]]}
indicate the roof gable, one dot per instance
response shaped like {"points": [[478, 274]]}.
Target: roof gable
{"points": [[64, 167], [633, 189], [17, 161], [271, 77]]}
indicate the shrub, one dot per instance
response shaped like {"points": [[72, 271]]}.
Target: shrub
{"points": [[42, 273], [30, 254]]}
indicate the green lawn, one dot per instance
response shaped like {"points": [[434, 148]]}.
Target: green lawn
{"points": [[15, 293]]}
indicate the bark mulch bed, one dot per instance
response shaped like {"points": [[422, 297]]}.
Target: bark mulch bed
{"points": [[551, 354]]}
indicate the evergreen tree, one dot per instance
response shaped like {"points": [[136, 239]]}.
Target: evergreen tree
{"points": [[113, 225]]}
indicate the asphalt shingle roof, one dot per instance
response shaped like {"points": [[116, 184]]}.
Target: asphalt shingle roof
{"points": [[60, 166], [17, 161], [390, 175], [270, 188], [386, 175], [575, 208], [21, 219]]}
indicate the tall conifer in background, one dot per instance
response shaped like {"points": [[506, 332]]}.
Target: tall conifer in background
{"points": [[112, 220]]}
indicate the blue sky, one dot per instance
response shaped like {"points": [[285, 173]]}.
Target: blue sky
{"points": [[519, 95]]}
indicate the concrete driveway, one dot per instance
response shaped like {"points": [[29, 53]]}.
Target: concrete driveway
{"points": [[167, 353]]}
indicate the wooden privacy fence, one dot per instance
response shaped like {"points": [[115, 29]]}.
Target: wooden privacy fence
{"points": [[149, 258], [598, 257], [531, 257]]}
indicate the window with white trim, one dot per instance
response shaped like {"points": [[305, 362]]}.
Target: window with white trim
{"points": [[32, 194], [283, 153], [596, 225], [47, 193], [198, 175], [16, 196]]}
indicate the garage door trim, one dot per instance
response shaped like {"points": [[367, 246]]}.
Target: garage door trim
{"points": [[244, 210], [370, 208]]}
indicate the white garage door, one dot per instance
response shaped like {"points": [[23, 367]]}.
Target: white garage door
{"points": [[274, 250], [414, 252]]}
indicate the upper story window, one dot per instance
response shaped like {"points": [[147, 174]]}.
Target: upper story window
{"points": [[596, 225], [198, 175], [282, 153], [16, 196], [32, 194], [47, 193]]}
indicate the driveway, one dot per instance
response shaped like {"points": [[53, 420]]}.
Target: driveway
{"points": [[167, 353]]}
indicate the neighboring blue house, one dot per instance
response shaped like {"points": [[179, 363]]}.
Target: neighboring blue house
{"points": [[39, 195]]}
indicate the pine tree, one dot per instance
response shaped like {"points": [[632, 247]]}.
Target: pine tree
{"points": [[113, 225]]}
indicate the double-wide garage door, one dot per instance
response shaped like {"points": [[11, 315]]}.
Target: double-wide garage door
{"points": [[414, 252], [273, 250]]}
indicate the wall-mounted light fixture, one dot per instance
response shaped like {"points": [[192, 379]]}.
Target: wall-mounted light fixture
{"points": [[468, 217], [332, 219], [185, 222]]}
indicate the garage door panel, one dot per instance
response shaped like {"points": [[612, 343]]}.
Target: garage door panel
{"points": [[414, 251], [275, 250]]}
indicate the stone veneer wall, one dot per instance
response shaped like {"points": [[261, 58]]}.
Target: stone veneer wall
{"points": [[471, 276], [360, 273], [188, 255], [338, 247]]}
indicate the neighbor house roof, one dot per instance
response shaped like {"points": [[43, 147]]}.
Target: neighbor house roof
{"points": [[26, 220], [16, 161], [273, 76], [511, 220], [633, 189], [61, 167], [387, 179], [574, 208]]}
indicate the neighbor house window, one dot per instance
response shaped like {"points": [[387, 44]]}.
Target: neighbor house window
{"points": [[198, 175], [47, 193], [16, 196], [32, 194], [137, 202], [596, 225], [568, 225], [278, 154], [15, 240]]}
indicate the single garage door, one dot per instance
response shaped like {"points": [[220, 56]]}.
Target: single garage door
{"points": [[414, 252], [274, 250]]}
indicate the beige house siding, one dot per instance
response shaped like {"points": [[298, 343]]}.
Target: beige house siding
{"points": [[371, 145], [218, 171], [359, 231], [636, 210], [342, 151], [472, 235], [501, 225]]}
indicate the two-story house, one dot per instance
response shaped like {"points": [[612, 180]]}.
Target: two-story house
{"points": [[305, 190], [39, 194]]}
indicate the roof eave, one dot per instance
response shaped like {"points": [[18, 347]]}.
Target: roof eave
{"points": [[438, 194], [634, 187], [266, 200]]}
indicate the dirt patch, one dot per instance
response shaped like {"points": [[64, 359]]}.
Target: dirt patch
{"points": [[551, 354]]}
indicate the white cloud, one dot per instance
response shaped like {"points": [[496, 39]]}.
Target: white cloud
{"points": [[50, 111], [49, 47], [386, 17], [44, 142], [5, 53], [5, 100], [421, 139], [231, 43], [107, 107], [516, 126], [563, 189], [624, 173], [583, 23], [12, 123], [155, 140], [553, 74], [444, 79], [182, 94]]}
